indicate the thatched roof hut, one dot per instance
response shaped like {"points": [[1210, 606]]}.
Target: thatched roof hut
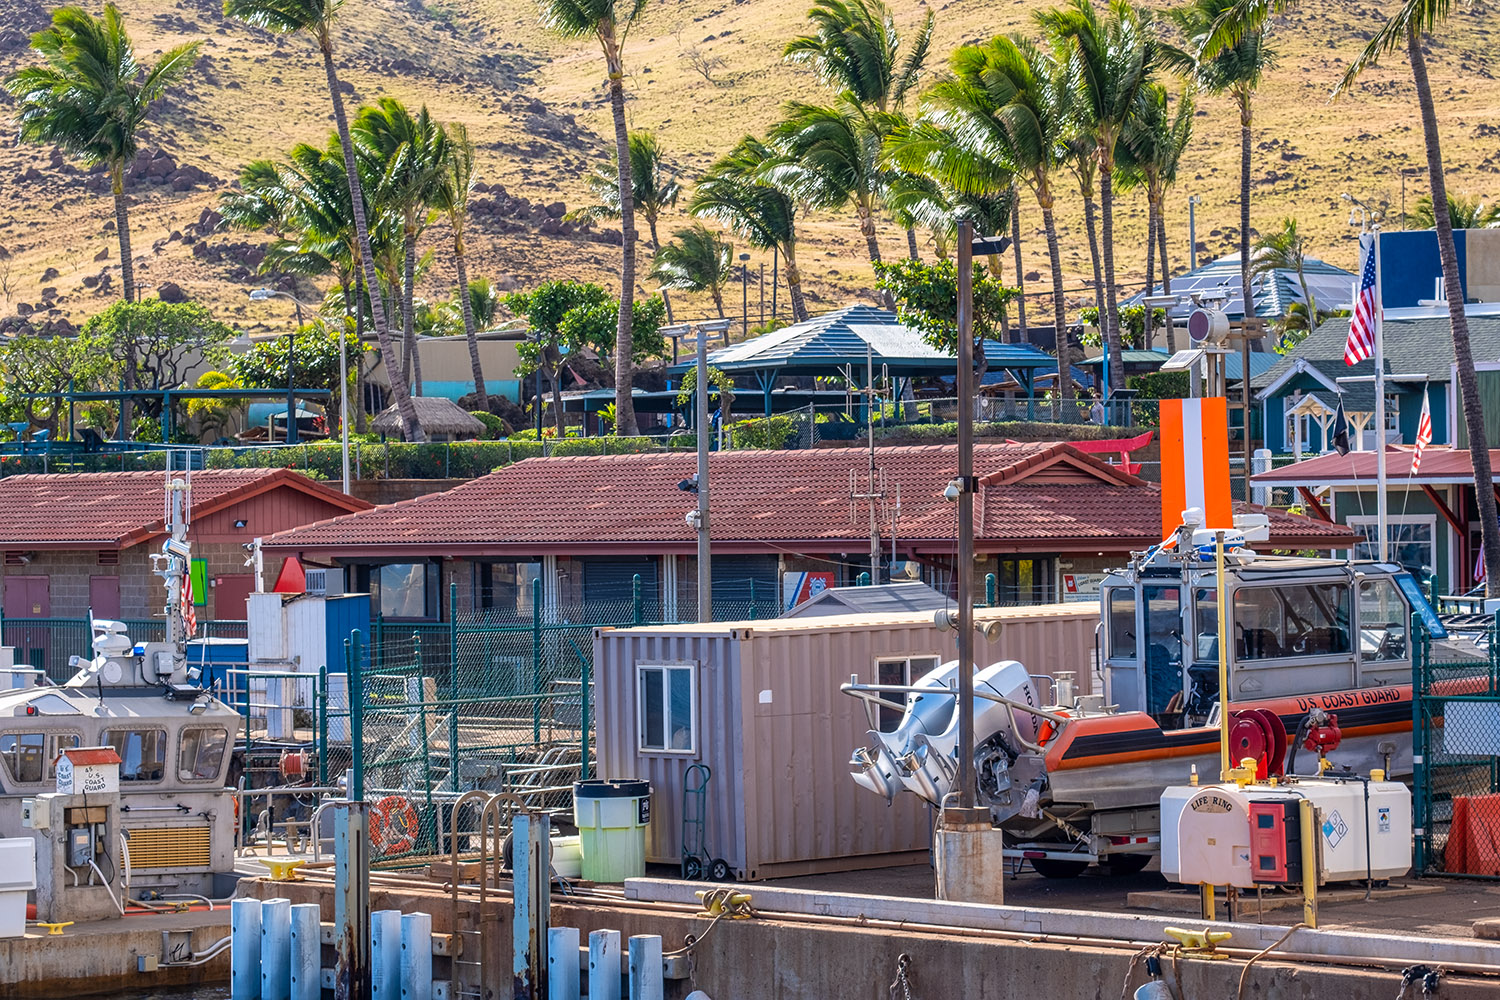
{"points": [[441, 419]]}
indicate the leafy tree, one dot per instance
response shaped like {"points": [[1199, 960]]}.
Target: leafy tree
{"points": [[720, 392], [1108, 59], [92, 98], [927, 299], [569, 316], [610, 22], [314, 358], [654, 189], [1463, 213], [451, 197], [215, 414], [697, 260], [315, 17], [48, 367], [164, 340], [737, 193], [1132, 325]]}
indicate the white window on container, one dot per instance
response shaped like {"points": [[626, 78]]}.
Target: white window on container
{"points": [[667, 707], [899, 671]]}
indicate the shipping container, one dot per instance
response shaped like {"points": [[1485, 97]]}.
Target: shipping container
{"points": [[758, 702]]}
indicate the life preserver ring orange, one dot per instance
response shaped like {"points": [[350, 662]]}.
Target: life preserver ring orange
{"points": [[393, 825]]}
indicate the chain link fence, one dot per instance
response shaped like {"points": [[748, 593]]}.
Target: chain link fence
{"points": [[1456, 744]]}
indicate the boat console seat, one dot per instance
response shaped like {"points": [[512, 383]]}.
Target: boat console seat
{"points": [[1259, 644]]}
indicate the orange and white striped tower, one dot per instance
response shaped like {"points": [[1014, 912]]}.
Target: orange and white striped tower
{"points": [[1195, 462]]}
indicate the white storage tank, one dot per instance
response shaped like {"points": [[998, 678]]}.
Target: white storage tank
{"points": [[1250, 835]]}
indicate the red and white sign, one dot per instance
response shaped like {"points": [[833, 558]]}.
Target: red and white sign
{"points": [[799, 587]]}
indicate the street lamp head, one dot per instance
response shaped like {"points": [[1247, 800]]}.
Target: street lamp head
{"points": [[260, 294], [714, 326], [744, 256], [986, 246]]}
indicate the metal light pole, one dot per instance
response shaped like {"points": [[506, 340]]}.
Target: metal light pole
{"points": [[699, 518], [744, 295], [1193, 202], [762, 282], [965, 569]]}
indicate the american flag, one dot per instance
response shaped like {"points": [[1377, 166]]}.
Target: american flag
{"points": [[1424, 432], [1366, 310], [189, 613]]}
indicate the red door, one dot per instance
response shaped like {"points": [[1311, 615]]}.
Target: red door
{"points": [[104, 596], [29, 597], [230, 593]]}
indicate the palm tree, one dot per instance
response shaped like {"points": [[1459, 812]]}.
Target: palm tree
{"points": [[1221, 65], [1107, 62], [830, 159], [1463, 213], [610, 22], [1405, 29], [697, 260], [855, 49], [451, 197], [737, 193], [484, 303], [315, 17], [1151, 148], [92, 98], [654, 189], [411, 153], [1082, 160], [1285, 250], [1001, 118]]}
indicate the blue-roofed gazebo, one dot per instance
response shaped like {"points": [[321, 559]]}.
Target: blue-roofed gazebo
{"points": [[851, 340]]}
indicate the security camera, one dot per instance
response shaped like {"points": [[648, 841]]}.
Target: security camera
{"points": [[954, 491], [689, 485], [177, 547], [691, 517]]}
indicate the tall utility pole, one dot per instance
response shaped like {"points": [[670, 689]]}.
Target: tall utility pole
{"points": [[700, 430], [872, 492], [965, 568], [1193, 202]]}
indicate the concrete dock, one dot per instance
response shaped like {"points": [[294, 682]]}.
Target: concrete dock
{"points": [[101, 957]]}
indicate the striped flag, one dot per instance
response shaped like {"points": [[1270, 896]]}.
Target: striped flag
{"points": [[1424, 432], [1195, 461], [189, 613], [1361, 344]]}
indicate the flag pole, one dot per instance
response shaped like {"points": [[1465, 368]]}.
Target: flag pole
{"points": [[1381, 513]]}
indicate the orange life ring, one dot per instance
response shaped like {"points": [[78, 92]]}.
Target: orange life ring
{"points": [[393, 825]]}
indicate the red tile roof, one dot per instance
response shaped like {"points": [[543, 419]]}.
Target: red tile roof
{"points": [[1034, 497], [86, 510], [1440, 466]]}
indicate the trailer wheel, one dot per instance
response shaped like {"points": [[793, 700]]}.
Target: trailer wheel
{"points": [[1126, 864], [1057, 868]]}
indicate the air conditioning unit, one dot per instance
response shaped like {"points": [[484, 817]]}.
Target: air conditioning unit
{"points": [[317, 581], [905, 571]]}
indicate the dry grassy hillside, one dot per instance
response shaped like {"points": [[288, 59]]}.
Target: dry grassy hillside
{"points": [[534, 104]]}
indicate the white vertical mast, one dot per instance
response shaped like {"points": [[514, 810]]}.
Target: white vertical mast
{"points": [[1381, 515]]}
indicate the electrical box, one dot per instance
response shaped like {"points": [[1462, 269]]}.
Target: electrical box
{"points": [[36, 813], [80, 847], [1275, 842]]}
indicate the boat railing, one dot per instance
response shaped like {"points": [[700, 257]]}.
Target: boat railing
{"points": [[266, 826], [870, 694]]}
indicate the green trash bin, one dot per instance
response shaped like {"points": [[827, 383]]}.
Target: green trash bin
{"points": [[612, 816]]}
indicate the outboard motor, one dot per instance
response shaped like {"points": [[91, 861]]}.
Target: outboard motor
{"points": [[920, 755]]}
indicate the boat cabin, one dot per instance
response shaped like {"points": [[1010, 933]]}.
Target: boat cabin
{"points": [[1296, 627]]}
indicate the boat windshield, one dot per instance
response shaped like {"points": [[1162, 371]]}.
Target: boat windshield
{"points": [[1163, 645], [1290, 620]]}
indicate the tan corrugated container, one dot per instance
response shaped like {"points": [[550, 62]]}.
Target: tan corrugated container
{"points": [[778, 734]]}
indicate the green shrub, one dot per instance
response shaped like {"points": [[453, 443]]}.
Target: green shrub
{"points": [[494, 427], [763, 432]]}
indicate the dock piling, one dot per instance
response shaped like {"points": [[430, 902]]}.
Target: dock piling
{"points": [[416, 956], [385, 954], [307, 952], [604, 965], [244, 949], [645, 967], [533, 901], [275, 949], [562, 964]]}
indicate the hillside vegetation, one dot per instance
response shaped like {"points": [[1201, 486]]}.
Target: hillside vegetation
{"points": [[701, 73]]}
